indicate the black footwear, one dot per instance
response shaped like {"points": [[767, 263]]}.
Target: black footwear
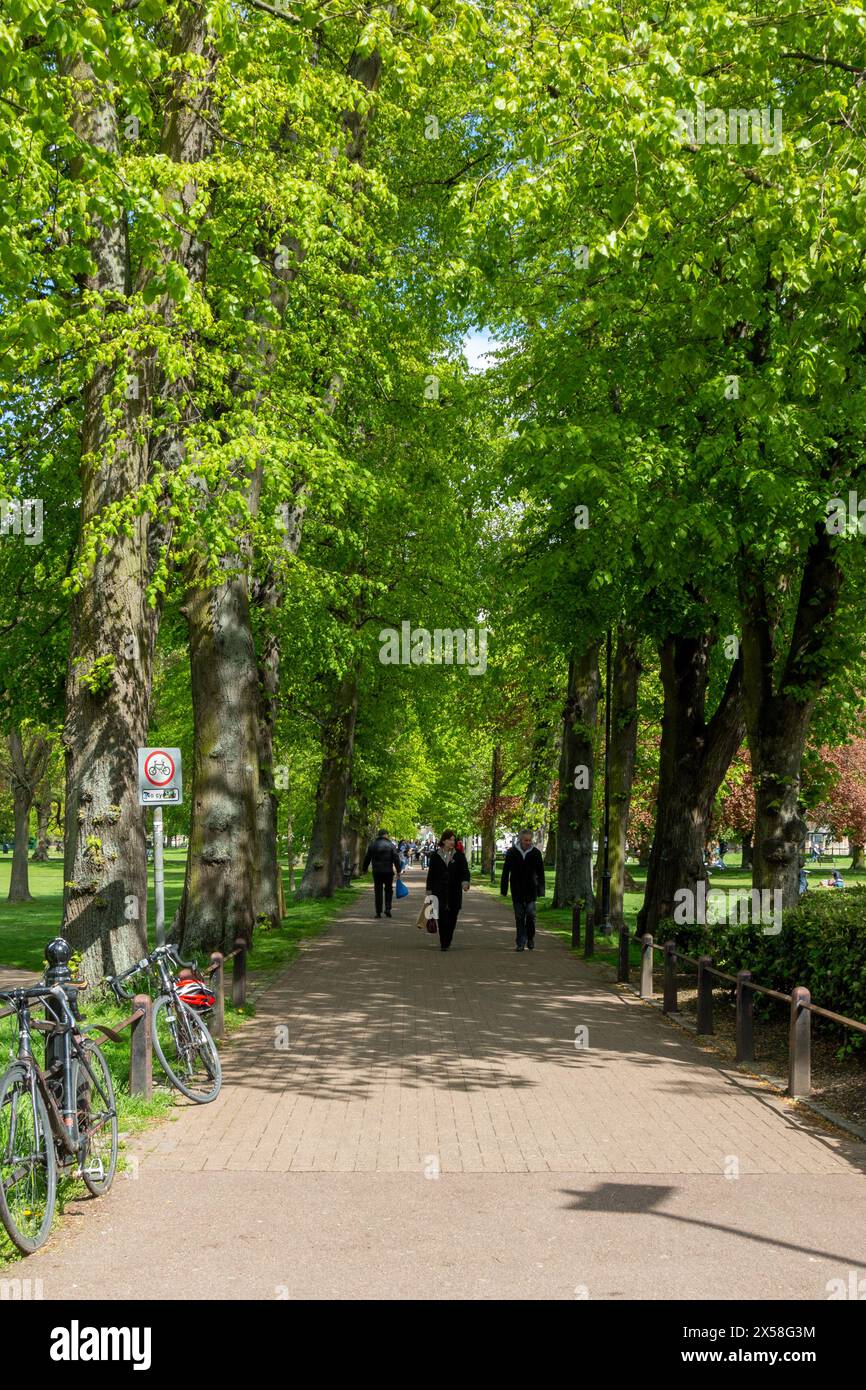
{"points": [[530, 945], [518, 948], [387, 914], [378, 915]]}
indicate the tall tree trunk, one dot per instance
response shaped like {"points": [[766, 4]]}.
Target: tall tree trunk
{"points": [[779, 707], [217, 905], [19, 882], [550, 849], [747, 849], [267, 879], [536, 802], [43, 815], [623, 751], [577, 765], [113, 629], [25, 769], [107, 694], [338, 742], [693, 759]]}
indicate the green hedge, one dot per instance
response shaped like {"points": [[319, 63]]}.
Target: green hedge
{"points": [[822, 945]]}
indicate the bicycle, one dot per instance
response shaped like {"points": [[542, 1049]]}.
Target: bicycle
{"points": [[60, 1119], [183, 1045]]}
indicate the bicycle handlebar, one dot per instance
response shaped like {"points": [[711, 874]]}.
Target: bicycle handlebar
{"points": [[113, 981]]}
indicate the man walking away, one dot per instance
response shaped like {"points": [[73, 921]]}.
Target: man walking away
{"points": [[382, 854], [524, 866]]}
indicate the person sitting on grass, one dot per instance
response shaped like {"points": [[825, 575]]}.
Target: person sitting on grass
{"points": [[834, 881]]}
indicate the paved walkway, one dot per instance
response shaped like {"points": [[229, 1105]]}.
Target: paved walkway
{"points": [[401, 1123]]}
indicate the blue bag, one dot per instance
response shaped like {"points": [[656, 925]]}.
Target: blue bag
{"points": [[402, 890]]}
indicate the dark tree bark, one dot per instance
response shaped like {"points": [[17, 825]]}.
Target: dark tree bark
{"points": [[25, 768], [693, 759], [43, 816], [321, 874], [107, 697], [779, 705], [113, 628], [623, 751], [857, 857], [574, 813], [217, 904], [747, 850]]}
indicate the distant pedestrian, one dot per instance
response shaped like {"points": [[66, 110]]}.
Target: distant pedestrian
{"points": [[524, 867], [447, 879], [382, 855]]}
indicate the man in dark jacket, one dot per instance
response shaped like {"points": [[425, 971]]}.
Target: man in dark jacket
{"points": [[382, 854], [524, 866]]}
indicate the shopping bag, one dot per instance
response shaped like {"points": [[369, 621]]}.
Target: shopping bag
{"points": [[402, 890]]}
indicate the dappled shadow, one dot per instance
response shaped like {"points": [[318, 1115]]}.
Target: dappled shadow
{"points": [[376, 1007]]}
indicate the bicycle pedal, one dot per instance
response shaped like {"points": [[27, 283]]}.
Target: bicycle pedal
{"points": [[92, 1170]]}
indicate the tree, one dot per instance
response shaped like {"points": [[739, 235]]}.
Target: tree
{"points": [[28, 754]]}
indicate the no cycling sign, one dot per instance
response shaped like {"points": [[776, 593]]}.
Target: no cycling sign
{"points": [[160, 782]]}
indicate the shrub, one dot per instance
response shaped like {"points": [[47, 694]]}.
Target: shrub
{"points": [[822, 945]]}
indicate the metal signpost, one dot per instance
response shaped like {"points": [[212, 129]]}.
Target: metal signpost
{"points": [[160, 783]]}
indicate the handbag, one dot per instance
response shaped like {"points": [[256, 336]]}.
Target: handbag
{"points": [[424, 921], [401, 890]]}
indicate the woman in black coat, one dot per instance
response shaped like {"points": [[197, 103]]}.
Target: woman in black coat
{"points": [[447, 876]]}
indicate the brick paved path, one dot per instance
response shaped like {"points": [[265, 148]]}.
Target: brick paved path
{"points": [[399, 1122]]}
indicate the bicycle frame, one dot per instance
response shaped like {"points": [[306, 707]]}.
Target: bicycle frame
{"points": [[63, 1120]]}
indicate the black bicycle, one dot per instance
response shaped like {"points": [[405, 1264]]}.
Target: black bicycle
{"points": [[184, 1047], [58, 1120]]}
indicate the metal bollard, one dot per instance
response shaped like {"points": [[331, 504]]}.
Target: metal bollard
{"points": [[800, 1044], [218, 983], [671, 1002], [705, 996], [141, 1049], [646, 967], [745, 1018]]}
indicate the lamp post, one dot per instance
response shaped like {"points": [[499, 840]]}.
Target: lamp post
{"points": [[606, 928]]}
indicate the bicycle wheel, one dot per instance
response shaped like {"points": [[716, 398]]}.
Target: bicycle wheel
{"points": [[97, 1120], [28, 1168], [186, 1051]]}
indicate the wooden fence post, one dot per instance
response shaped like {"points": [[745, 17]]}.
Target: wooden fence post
{"points": [[800, 1044], [141, 1049], [218, 984], [589, 934], [745, 1029], [622, 970], [671, 1003], [646, 967], [705, 996]]}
